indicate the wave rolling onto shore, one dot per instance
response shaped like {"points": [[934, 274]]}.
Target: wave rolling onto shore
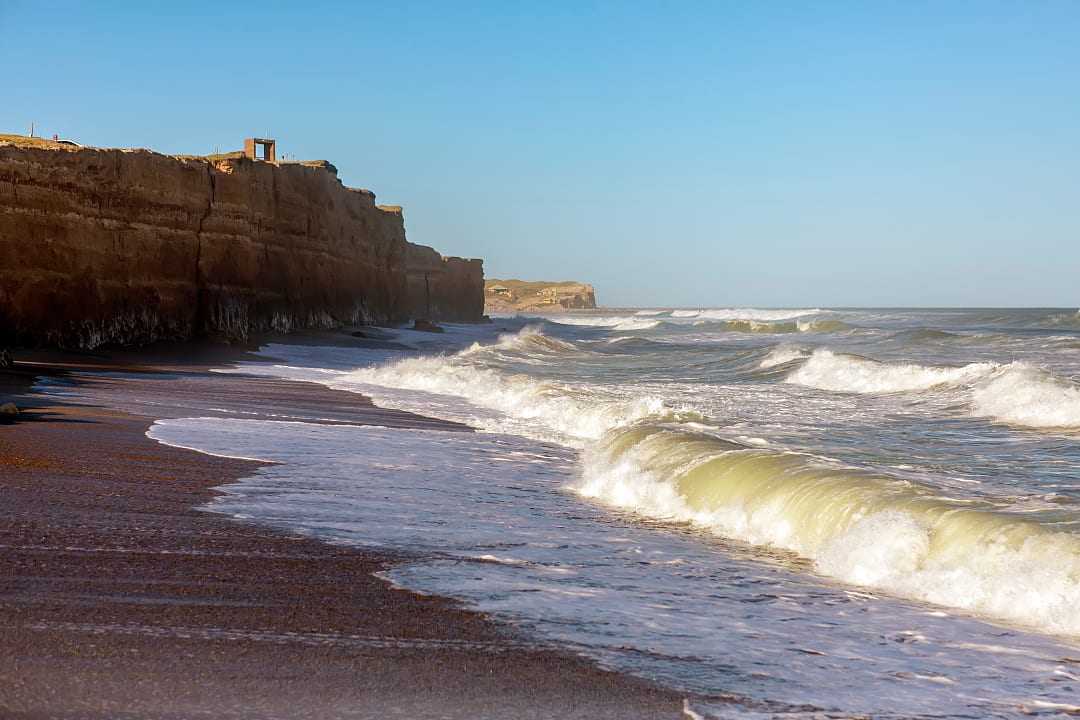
{"points": [[683, 493]]}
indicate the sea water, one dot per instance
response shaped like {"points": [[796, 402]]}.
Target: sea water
{"points": [[791, 511]]}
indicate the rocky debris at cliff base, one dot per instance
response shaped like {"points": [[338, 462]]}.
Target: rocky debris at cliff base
{"points": [[426, 326]]}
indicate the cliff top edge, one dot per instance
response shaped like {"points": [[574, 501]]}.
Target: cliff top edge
{"points": [[216, 159]]}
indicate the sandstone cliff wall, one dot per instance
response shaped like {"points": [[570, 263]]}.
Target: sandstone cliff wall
{"points": [[107, 246], [443, 288]]}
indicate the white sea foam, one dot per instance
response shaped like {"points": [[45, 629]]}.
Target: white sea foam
{"points": [[1025, 395], [839, 372], [1016, 393], [530, 338], [616, 323], [764, 315], [567, 412]]}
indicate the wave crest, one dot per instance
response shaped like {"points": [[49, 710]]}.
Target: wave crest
{"points": [[548, 410], [615, 323], [745, 314], [529, 338], [1016, 393], [1025, 395], [783, 354], [778, 326], [839, 372], [865, 529]]}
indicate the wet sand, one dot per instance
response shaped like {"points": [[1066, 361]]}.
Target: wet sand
{"points": [[119, 599]]}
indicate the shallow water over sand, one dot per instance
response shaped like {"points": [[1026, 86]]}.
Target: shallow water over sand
{"points": [[859, 511]]}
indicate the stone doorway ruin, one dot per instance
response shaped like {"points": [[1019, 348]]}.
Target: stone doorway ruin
{"points": [[260, 149]]}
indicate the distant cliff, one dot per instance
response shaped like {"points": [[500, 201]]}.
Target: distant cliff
{"points": [[124, 247], [501, 296]]}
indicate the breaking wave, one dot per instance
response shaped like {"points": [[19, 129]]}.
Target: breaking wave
{"points": [[839, 372], [571, 413], [745, 314], [1025, 395], [865, 529], [615, 323], [1016, 393], [777, 326], [783, 354], [529, 339]]}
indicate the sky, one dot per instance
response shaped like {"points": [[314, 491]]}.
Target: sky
{"points": [[777, 154]]}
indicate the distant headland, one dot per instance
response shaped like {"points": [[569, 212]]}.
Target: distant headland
{"points": [[120, 247], [501, 296]]}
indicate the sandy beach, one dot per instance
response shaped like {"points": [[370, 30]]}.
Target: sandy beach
{"points": [[120, 599]]}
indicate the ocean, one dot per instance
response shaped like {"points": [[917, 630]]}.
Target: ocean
{"points": [[789, 512]]}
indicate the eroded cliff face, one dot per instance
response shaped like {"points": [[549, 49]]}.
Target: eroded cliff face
{"points": [[443, 288], [108, 246]]}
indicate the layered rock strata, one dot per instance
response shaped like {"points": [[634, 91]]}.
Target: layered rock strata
{"points": [[443, 288], [125, 247]]}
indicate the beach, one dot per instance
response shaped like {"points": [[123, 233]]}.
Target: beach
{"points": [[803, 511], [546, 361], [119, 598], [793, 513]]}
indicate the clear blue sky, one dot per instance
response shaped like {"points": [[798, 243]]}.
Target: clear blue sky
{"points": [[751, 153]]}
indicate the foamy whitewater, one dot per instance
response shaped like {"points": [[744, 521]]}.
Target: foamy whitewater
{"points": [[805, 511]]}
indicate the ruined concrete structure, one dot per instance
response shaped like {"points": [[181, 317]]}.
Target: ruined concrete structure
{"points": [[125, 247], [268, 148]]}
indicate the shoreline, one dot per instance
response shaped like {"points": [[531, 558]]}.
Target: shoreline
{"points": [[119, 598]]}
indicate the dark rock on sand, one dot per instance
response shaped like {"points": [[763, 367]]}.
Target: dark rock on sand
{"points": [[8, 411], [426, 326]]}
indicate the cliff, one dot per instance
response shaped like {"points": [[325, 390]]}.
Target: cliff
{"points": [[124, 247], [503, 296], [443, 288]]}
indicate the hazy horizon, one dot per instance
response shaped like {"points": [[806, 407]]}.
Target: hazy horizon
{"points": [[695, 155]]}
